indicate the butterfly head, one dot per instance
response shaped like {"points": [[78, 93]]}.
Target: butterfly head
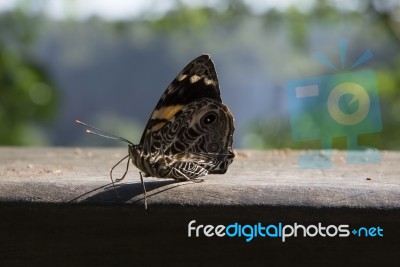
{"points": [[134, 151]]}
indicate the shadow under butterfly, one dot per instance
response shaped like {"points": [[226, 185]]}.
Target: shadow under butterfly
{"points": [[189, 133], [127, 193]]}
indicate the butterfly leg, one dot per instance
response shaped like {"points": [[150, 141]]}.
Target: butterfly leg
{"points": [[144, 191], [126, 171], [123, 176]]}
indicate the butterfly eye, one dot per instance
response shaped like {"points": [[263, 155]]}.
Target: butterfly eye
{"points": [[209, 118]]}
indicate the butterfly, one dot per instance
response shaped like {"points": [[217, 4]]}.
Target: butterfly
{"points": [[189, 133]]}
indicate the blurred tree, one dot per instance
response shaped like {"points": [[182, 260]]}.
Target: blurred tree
{"points": [[26, 94]]}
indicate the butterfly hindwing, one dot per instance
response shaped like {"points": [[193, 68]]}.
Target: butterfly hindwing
{"points": [[201, 133]]}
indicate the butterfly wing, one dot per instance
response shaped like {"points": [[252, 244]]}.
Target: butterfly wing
{"points": [[190, 130]]}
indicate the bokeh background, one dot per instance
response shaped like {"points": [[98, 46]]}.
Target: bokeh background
{"points": [[108, 62]]}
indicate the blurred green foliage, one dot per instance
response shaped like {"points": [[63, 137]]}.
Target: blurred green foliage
{"points": [[26, 94], [28, 98]]}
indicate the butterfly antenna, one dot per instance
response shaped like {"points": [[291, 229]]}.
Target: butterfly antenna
{"points": [[103, 133]]}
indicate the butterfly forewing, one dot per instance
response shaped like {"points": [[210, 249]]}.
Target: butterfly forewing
{"points": [[197, 80]]}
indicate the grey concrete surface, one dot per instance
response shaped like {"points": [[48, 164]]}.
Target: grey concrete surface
{"points": [[255, 178]]}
